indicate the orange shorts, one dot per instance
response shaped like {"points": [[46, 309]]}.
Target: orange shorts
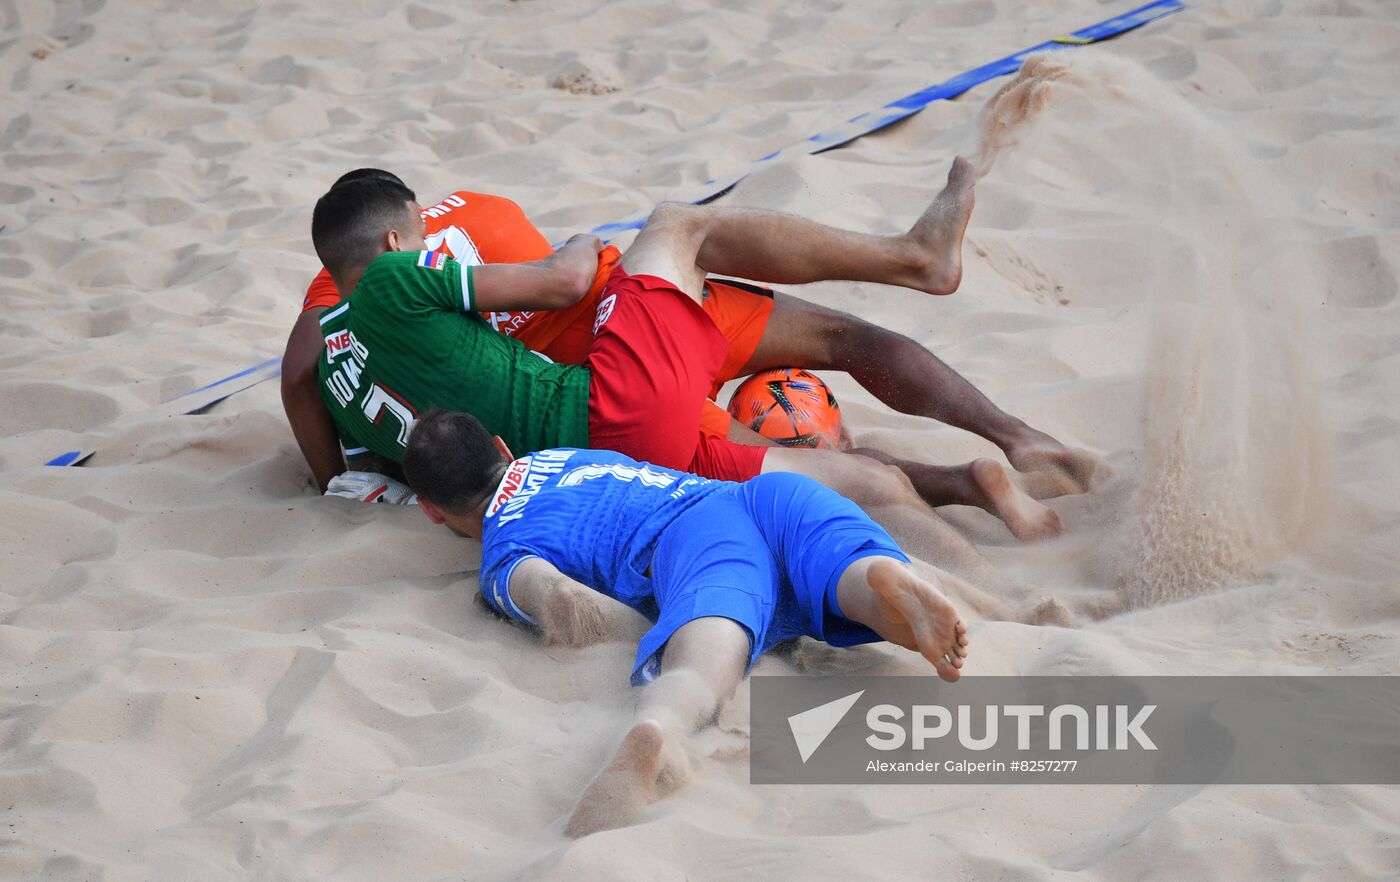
{"points": [[741, 311]]}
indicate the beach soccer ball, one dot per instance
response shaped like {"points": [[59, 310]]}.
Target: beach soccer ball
{"points": [[790, 406]]}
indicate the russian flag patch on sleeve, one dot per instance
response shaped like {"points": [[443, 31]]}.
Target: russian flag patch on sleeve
{"points": [[432, 260]]}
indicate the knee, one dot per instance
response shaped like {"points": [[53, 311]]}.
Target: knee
{"points": [[679, 216], [895, 486], [874, 483]]}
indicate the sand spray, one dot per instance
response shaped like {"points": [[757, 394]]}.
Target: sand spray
{"points": [[1229, 478]]}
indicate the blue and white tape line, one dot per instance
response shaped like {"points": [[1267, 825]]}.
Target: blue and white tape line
{"points": [[193, 401], [874, 120]]}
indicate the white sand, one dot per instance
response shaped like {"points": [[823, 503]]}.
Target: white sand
{"points": [[1183, 257]]}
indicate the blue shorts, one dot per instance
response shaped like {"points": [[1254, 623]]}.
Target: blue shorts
{"points": [[766, 554]]}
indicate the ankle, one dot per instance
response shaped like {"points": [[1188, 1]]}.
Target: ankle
{"points": [[1010, 433], [908, 259]]}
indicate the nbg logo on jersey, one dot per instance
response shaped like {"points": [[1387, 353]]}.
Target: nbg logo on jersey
{"points": [[340, 343], [337, 344]]}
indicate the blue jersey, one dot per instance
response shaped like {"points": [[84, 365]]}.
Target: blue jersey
{"points": [[767, 554], [595, 515]]}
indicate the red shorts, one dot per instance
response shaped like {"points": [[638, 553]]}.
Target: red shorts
{"points": [[654, 358]]}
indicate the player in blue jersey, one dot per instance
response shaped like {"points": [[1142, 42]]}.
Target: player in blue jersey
{"points": [[725, 571]]}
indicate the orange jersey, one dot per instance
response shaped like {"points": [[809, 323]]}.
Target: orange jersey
{"points": [[477, 228], [472, 228], [562, 334]]}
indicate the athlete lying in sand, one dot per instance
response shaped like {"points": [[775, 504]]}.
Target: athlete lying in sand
{"points": [[410, 338], [765, 329], [724, 570]]}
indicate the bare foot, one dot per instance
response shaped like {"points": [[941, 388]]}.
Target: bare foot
{"points": [[939, 232], [577, 617], [1051, 468], [638, 775], [917, 616], [1027, 519]]}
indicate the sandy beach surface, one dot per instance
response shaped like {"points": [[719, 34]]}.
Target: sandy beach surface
{"points": [[1183, 258]]}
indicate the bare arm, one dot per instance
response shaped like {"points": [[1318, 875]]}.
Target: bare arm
{"points": [[569, 613], [560, 280], [301, 399]]}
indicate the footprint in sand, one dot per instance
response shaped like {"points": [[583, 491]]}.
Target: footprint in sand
{"points": [[1023, 273]]}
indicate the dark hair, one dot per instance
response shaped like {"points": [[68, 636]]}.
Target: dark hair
{"points": [[452, 460], [350, 221], [360, 174]]}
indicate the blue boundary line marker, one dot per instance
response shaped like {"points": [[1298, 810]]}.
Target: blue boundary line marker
{"points": [[193, 401], [72, 457], [872, 121], [231, 377]]}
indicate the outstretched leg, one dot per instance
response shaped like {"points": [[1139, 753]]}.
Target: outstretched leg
{"points": [[891, 501], [681, 243], [910, 379], [886, 596], [982, 483], [770, 247], [702, 665]]}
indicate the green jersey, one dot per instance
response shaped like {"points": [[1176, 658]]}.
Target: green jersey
{"points": [[409, 339]]}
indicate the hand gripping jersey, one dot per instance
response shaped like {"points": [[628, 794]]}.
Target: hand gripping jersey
{"points": [[408, 339], [597, 519]]}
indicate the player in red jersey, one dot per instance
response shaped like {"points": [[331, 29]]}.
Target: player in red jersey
{"points": [[764, 329]]}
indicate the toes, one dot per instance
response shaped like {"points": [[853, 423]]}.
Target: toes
{"points": [[950, 661], [961, 171], [948, 671]]}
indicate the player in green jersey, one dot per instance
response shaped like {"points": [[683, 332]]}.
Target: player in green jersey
{"points": [[415, 308]]}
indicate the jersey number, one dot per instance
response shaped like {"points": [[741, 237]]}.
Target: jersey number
{"points": [[461, 246], [379, 400], [620, 472]]}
